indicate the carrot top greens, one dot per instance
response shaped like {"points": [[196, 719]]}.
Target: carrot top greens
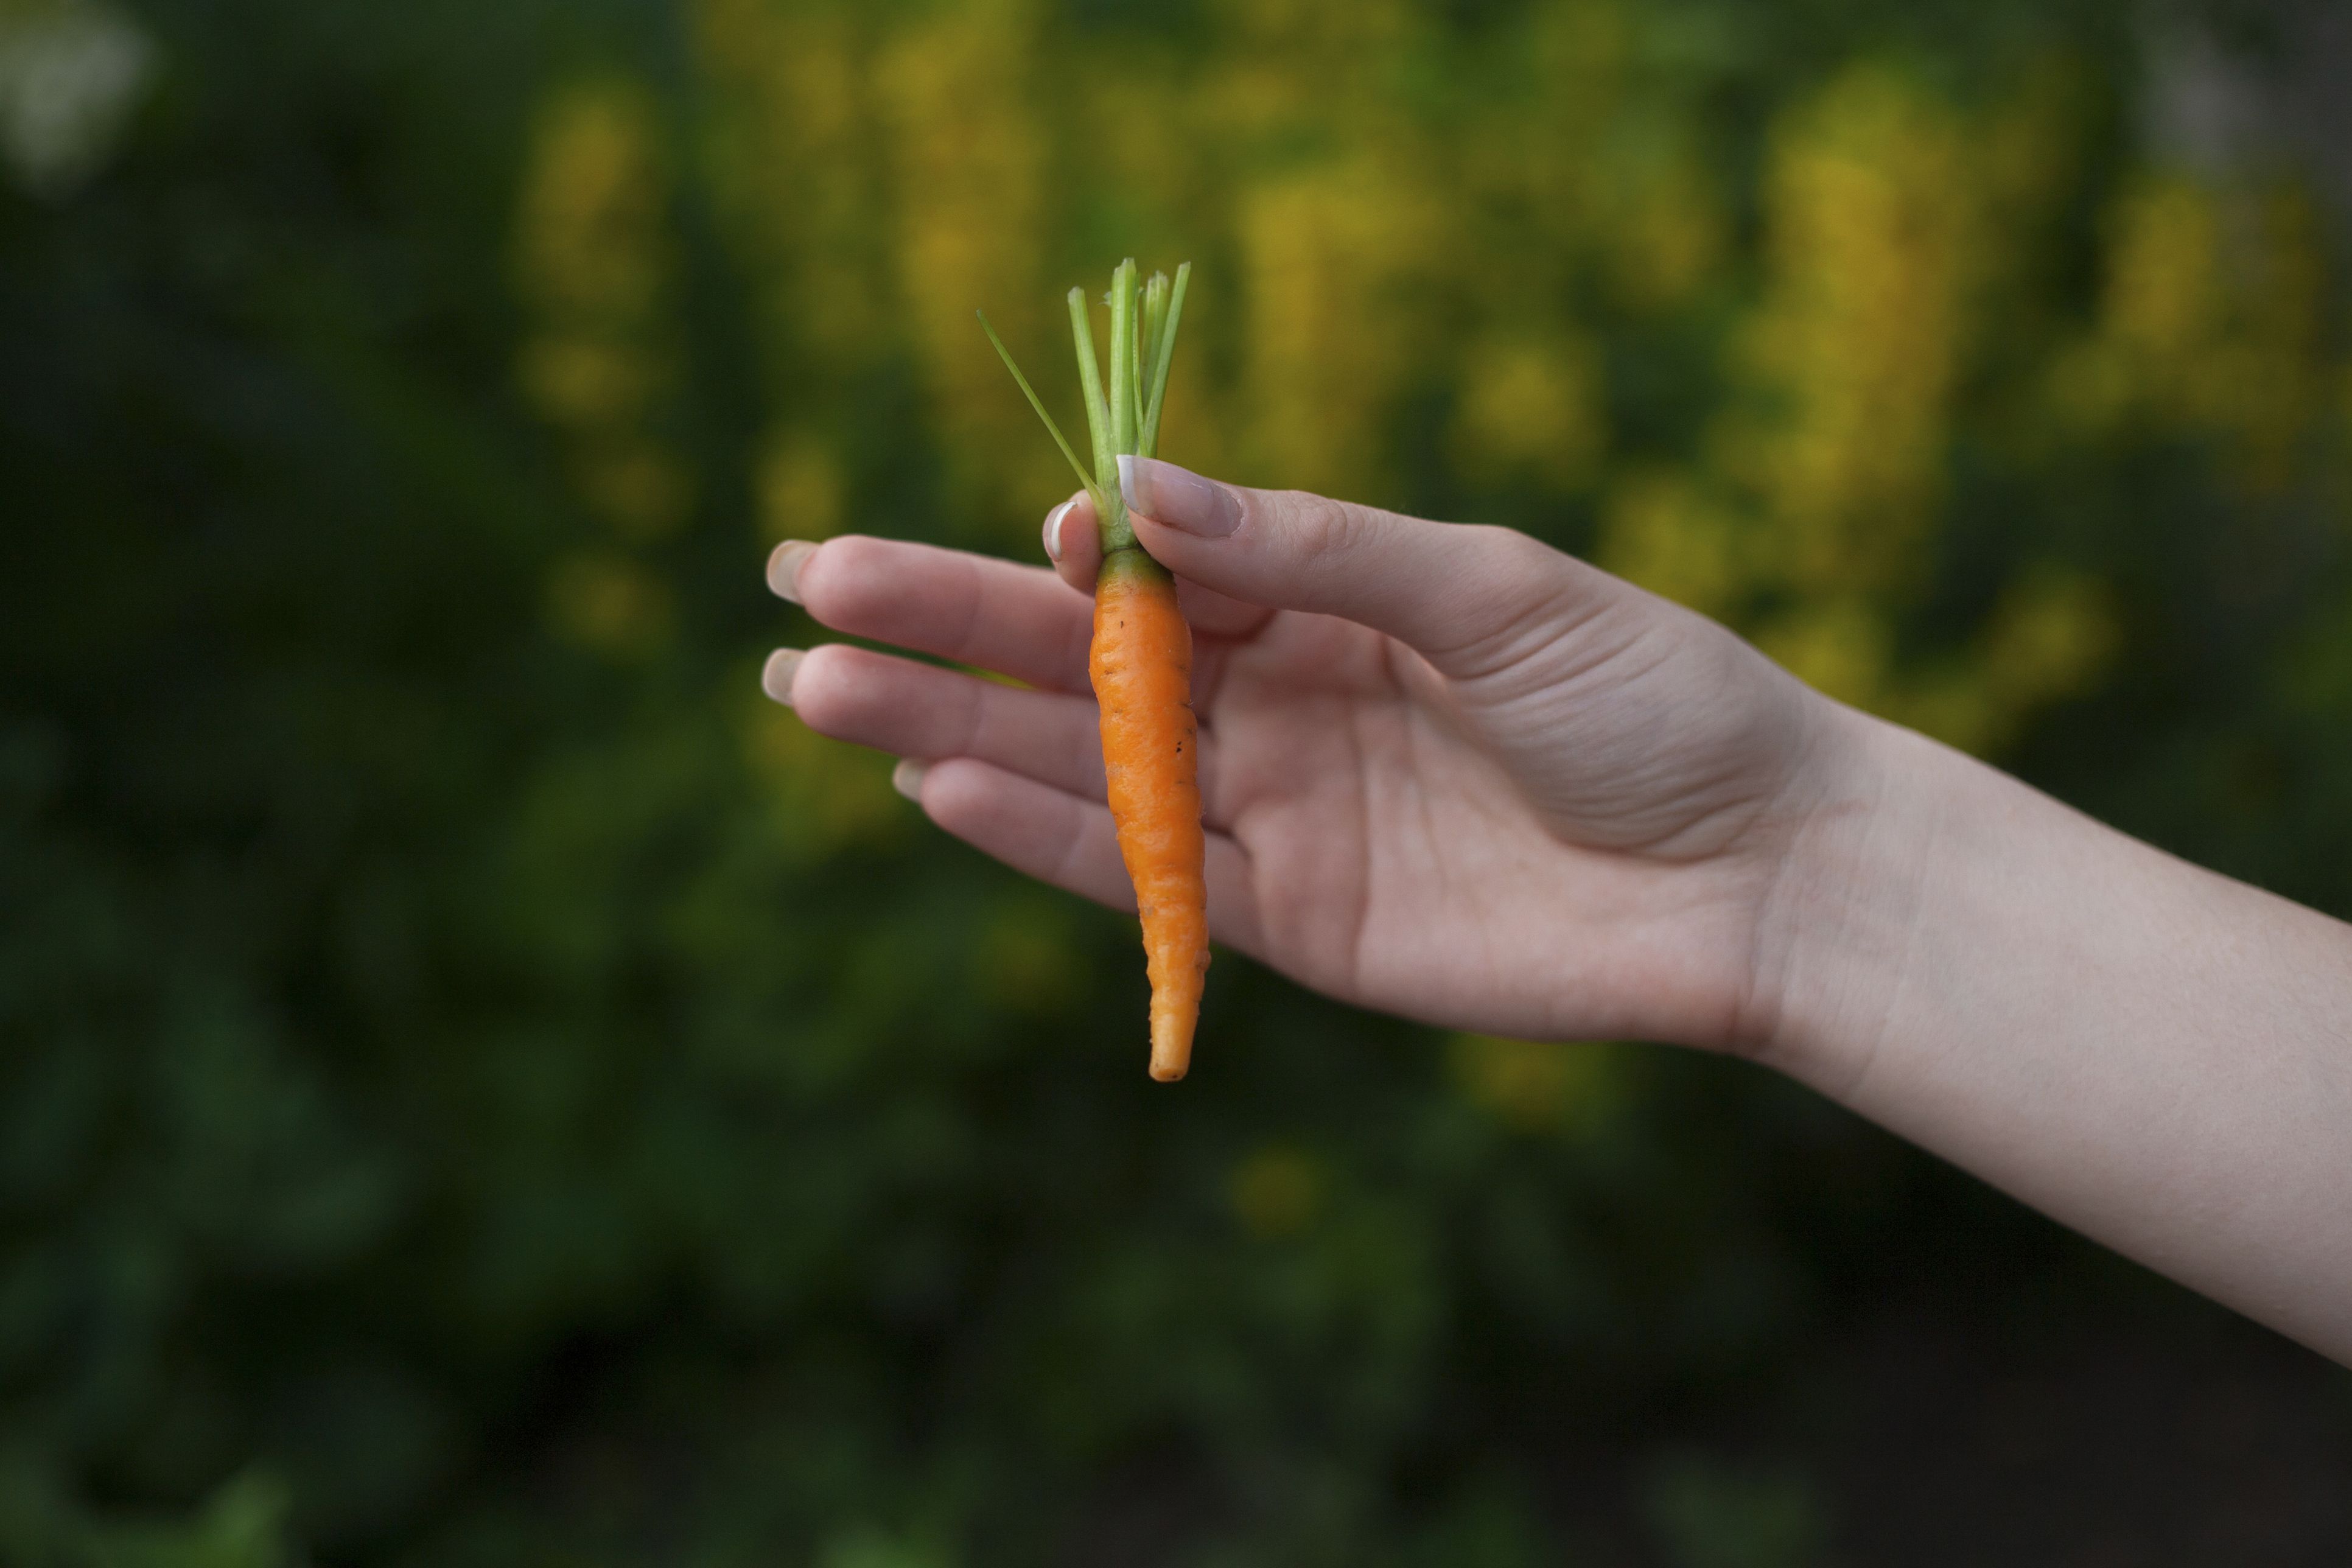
{"points": [[1122, 420]]}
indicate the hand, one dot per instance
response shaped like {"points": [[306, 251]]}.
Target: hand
{"points": [[1447, 771], [1453, 774]]}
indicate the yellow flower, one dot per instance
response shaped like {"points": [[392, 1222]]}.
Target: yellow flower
{"points": [[594, 260], [1530, 404], [1873, 245], [2211, 321], [591, 239], [801, 494], [1324, 255], [968, 156], [1533, 1087], [1665, 532]]}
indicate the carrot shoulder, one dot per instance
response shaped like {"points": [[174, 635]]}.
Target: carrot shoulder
{"points": [[1142, 664]]}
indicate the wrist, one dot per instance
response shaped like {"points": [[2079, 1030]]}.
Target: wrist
{"points": [[1842, 923], [2142, 1049]]}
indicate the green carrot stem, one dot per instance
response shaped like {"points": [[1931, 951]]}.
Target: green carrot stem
{"points": [[1111, 507], [1144, 344], [1155, 320], [1124, 418], [1092, 489], [1124, 412], [1163, 355], [1135, 363], [1082, 336]]}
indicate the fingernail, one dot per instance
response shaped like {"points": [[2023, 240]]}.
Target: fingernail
{"points": [[1178, 497], [1054, 531], [784, 566], [776, 680], [906, 778]]}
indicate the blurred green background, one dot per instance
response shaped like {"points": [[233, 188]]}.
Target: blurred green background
{"points": [[479, 1085]]}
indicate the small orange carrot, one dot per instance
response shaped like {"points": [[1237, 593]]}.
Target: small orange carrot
{"points": [[1142, 662], [1141, 658]]}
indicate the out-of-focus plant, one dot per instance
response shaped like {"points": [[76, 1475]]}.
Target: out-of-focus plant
{"points": [[473, 1059], [596, 263]]}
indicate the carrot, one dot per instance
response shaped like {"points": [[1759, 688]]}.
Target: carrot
{"points": [[1141, 663], [1141, 658]]}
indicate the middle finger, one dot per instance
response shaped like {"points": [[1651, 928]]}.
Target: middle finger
{"points": [[922, 711]]}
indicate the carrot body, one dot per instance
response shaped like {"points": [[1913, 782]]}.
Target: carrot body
{"points": [[1142, 664]]}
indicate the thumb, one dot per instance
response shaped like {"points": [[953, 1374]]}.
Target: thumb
{"points": [[1467, 597]]}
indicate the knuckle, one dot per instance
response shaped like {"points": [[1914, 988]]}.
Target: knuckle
{"points": [[1521, 570], [971, 717], [1319, 527], [1521, 555], [1521, 588]]}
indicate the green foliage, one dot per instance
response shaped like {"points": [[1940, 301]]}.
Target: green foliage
{"points": [[478, 1086], [1708, 1517], [242, 1526]]}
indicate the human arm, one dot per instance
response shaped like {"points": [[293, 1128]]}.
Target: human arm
{"points": [[1451, 774], [2153, 1054]]}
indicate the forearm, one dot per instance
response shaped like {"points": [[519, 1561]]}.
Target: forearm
{"points": [[2151, 1053]]}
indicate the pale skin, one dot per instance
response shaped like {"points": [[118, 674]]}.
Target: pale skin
{"points": [[1450, 772]]}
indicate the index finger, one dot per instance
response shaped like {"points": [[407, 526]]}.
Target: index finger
{"points": [[1021, 621]]}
